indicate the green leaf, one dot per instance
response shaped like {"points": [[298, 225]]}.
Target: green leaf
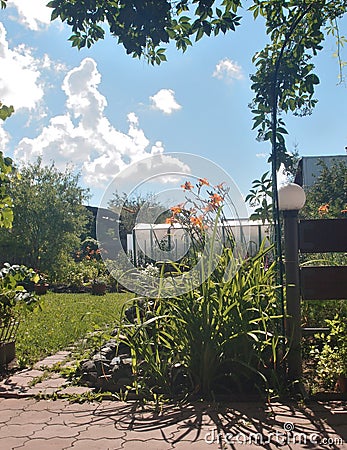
{"points": [[5, 111], [199, 34]]}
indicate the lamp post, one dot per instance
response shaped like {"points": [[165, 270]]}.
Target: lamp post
{"points": [[291, 199]]}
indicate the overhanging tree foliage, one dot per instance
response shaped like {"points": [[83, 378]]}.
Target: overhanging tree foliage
{"points": [[284, 80], [142, 26]]}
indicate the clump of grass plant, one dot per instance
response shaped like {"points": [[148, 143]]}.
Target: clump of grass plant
{"points": [[220, 335], [63, 319], [220, 338]]}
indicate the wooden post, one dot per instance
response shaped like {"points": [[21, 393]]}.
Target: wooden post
{"points": [[293, 307]]}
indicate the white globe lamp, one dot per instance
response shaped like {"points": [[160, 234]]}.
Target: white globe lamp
{"points": [[291, 197]]}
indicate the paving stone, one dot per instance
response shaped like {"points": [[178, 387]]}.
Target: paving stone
{"points": [[36, 391], [101, 444], [28, 373], [8, 443], [18, 404], [60, 431], [75, 390], [69, 419], [19, 384], [54, 382], [150, 445], [54, 406], [79, 408], [6, 415], [40, 417], [48, 444], [95, 431], [185, 445], [23, 430], [50, 361]]}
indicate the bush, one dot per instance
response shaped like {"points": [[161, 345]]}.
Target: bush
{"points": [[330, 355], [12, 292]]}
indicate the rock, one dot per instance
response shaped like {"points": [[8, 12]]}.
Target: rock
{"points": [[115, 361], [88, 366], [123, 349], [99, 357], [122, 384], [127, 361], [108, 352], [121, 371], [112, 343], [102, 367], [89, 378]]}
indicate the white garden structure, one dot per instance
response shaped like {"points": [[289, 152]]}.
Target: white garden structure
{"points": [[164, 242]]}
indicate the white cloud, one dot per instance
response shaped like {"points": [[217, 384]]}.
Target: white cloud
{"points": [[32, 13], [228, 70], [20, 84], [165, 101], [84, 136], [157, 148], [4, 139], [282, 178], [261, 155]]}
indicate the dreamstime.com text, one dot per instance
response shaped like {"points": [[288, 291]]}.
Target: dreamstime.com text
{"points": [[287, 436]]}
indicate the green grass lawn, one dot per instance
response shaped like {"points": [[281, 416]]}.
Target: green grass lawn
{"points": [[63, 319]]}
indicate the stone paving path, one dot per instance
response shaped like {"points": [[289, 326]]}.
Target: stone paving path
{"points": [[31, 424], [40, 380], [27, 423]]}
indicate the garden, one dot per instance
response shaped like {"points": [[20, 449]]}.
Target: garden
{"points": [[216, 332]]}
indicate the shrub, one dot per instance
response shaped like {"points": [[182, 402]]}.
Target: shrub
{"points": [[11, 291], [330, 355]]}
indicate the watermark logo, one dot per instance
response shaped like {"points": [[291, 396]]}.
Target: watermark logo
{"points": [[163, 181], [287, 436]]}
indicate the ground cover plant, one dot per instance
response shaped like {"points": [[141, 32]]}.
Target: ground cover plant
{"points": [[63, 319]]}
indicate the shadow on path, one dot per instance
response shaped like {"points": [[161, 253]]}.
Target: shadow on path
{"points": [[318, 425]]}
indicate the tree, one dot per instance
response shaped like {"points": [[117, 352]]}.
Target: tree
{"points": [[327, 197], [48, 217], [141, 26], [139, 208]]}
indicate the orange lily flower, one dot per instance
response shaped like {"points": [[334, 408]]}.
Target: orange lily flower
{"points": [[203, 181], [187, 186], [176, 209], [196, 221], [170, 220], [216, 199], [323, 209], [220, 186]]}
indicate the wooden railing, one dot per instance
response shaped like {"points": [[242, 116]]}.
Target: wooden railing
{"points": [[310, 282]]}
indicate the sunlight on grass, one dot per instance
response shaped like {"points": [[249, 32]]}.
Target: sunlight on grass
{"points": [[62, 319]]}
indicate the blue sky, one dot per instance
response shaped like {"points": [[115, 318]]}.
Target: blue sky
{"points": [[100, 110]]}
